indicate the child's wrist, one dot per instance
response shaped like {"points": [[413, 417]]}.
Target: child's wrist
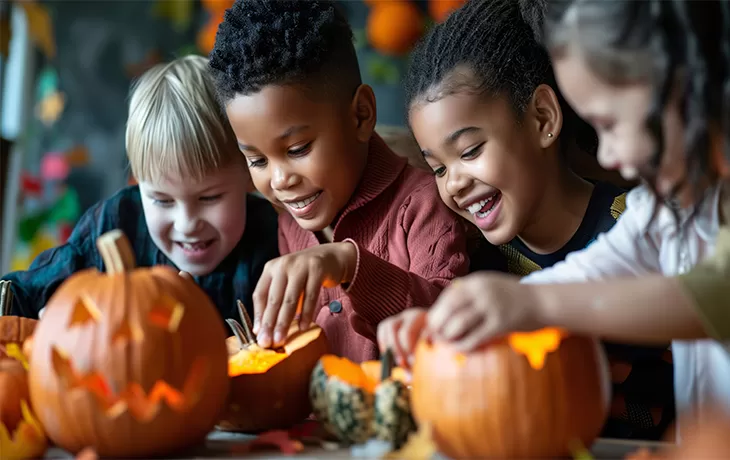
{"points": [[348, 257], [544, 301]]}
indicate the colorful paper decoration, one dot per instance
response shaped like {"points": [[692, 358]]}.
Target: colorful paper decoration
{"points": [[179, 12]]}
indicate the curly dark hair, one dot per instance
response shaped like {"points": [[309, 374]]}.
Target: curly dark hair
{"points": [[264, 42], [499, 43], [667, 43]]}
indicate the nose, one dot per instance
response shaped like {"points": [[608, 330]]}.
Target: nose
{"points": [[282, 177], [606, 156], [456, 182], [187, 221]]}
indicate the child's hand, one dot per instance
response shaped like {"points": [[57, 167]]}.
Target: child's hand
{"points": [[400, 333], [294, 278], [480, 307]]}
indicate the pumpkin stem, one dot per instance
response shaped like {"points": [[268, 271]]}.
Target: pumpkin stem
{"points": [[246, 322], [116, 252], [386, 365], [238, 332]]}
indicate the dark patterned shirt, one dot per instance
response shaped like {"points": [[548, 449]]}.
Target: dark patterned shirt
{"points": [[235, 277]]}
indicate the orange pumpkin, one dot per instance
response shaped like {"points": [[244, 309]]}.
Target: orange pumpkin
{"points": [[393, 27], [131, 362], [513, 398], [13, 389], [206, 36], [374, 370], [15, 329], [439, 10], [270, 388], [21, 436]]}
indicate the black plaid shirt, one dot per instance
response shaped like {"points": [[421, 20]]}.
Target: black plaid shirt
{"points": [[235, 277]]}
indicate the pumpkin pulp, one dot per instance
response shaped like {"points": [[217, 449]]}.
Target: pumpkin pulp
{"points": [[252, 359]]}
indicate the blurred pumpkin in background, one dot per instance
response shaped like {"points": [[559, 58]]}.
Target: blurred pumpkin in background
{"points": [[441, 9], [216, 10], [394, 27]]}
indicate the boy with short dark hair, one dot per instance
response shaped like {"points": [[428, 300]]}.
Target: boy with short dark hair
{"points": [[365, 235]]}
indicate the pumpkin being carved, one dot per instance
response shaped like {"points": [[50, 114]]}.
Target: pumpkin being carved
{"points": [[269, 388], [532, 395], [131, 362], [354, 405]]}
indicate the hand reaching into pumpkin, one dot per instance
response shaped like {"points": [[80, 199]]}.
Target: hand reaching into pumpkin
{"points": [[297, 278], [400, 333], [479, 307]]}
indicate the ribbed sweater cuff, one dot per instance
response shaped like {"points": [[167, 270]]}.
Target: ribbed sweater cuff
{"points": [[378, 288]]}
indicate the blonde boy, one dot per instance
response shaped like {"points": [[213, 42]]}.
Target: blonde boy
{"points": [[190, 209]]}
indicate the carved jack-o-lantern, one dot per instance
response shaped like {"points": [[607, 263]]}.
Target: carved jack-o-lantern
{"points": [[532, 395], [132, 362]]}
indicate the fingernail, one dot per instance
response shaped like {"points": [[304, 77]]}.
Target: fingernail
{"points": [[263, 340], [278, 337], [256, 327]]}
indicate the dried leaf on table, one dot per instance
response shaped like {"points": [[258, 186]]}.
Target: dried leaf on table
{"points": [[272, 439], [420, 446], [40, 27]]}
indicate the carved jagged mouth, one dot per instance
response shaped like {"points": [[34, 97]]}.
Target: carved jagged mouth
{"points": [[141, 405]]}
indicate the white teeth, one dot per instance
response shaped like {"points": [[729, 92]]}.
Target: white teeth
{"points": [[301, 204], [194, 246], [474, 208]]}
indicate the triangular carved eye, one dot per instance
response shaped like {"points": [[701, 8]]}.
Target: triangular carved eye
{"points": [[166, 313], [128, 333], [85, 311]]}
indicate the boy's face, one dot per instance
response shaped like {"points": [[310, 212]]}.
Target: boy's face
{"points": [[486, 163], [305, 155], [197, 224]]}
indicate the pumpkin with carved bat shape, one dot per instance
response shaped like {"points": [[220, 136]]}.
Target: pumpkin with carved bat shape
{"points": [[269, 388], [21, 436], [131, 362], [355, 406], [15, 329], [531, 395]]}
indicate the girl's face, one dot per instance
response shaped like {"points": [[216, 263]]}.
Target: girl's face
{"points": [[487, 164], [618, 114]]}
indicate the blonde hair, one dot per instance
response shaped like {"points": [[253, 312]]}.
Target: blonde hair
{"points": [[175, 124]]}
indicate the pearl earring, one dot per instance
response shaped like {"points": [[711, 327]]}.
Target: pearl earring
{"points": [[550, 134]]}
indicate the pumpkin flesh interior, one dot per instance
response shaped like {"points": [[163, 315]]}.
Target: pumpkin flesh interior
{"points": [[256, 360], [348, 372]]}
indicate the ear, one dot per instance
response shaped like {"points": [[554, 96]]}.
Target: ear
{"points": [[548, 116], [364, 113]]}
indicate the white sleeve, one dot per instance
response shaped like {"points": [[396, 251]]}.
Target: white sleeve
{"points": [[626, 249]]}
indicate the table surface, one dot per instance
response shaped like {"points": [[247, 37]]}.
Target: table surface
{"points": [[222, 445]]}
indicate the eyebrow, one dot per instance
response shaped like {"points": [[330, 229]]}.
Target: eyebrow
{"points": [[288, 133], [453, 137]]}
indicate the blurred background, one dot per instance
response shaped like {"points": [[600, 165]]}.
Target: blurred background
{"points": [[65, 72]]}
